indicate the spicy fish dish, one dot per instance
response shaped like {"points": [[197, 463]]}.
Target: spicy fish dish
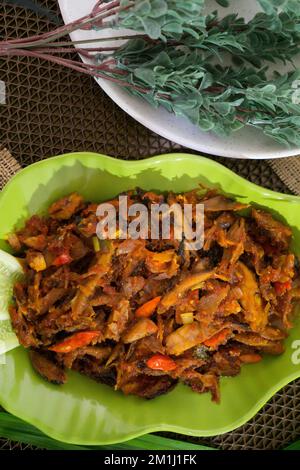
{"points": [[142, 315]]}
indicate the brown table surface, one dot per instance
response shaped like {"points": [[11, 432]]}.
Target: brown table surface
{"points": [[50, 111]]}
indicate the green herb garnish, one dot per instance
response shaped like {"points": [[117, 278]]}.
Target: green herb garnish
{"points": [[210, 69]]}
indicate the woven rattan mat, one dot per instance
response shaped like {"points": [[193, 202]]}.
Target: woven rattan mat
{"points": [[50, 111]]}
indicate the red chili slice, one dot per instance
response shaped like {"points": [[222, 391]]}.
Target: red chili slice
{"points": [[218, 339], [282, 287], [161, 362], [62, 259], [78, 340], [147, 309]]}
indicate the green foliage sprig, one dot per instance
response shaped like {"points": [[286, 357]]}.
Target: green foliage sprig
{"points": [[163, 19], [177, 60], [262, 39], [272, 7], [214, 97]]}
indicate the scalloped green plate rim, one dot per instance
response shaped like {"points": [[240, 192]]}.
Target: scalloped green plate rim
{"points": [[86, 413]]}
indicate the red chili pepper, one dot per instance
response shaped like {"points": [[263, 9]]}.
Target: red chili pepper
{"points": [[161, 362], [147, 309], [62, 259], [78, 340], [282, 287], [218, 338]]}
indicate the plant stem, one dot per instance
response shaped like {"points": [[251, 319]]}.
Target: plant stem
{"points": [[97, 16], [96, 71], [85, 41]]}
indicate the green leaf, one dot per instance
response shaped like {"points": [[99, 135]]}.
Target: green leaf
{"points": [[173, 27], [223, 3], [146, 75], [205, 124], [15, 429], [294, 446], [158, 8], [223, 108], [270, 88], [142, 8], [206, 81], [152, 28]]}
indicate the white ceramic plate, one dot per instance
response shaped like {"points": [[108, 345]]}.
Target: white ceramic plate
{"points": [[248, 143]]}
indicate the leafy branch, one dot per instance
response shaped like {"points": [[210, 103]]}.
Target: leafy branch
{"points": [[164, 19], [213, 97], [261, 39], [176, 60], [272, 7]]}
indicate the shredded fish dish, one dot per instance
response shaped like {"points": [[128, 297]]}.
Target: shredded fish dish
{"points": [[142, 315]]}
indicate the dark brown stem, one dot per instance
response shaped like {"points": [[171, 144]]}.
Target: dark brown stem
{"points": [[215, 89]]}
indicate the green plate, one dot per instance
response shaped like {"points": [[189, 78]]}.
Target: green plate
{"points": [[84, 412]]}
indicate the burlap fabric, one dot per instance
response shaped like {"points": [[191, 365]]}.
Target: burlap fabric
{"points": [[8, 167], [50, 111], [288, 169]]}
